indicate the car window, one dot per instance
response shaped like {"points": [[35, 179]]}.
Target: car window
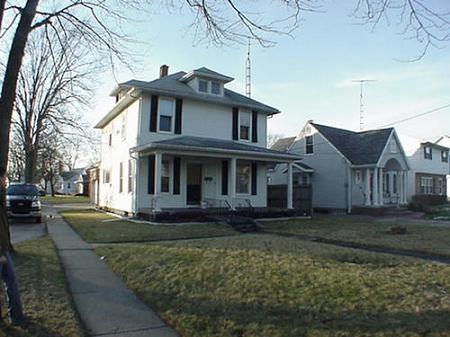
{"points": [[22, 190]]}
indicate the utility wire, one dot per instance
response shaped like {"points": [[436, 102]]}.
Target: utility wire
{"points": [[417, 116]]}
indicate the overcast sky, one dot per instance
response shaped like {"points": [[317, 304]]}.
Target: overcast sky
{"points": [[309, 76]]}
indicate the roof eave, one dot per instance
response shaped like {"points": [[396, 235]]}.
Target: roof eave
{"points": [[154, 146], [124, 102]]}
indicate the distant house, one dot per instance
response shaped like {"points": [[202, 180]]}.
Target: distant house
{"points": [[445, 141], [346, 168], [429, 164], [72, 182], [185, 141]]}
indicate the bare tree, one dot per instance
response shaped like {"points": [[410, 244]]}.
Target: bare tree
{"points": [[422, 21], [50, 93]]}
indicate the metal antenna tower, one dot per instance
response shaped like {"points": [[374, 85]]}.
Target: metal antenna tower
{"points": [[361, 101], [248, 74]]}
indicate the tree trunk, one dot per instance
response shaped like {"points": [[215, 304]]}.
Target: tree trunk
{"points": [[30, 164], [9, 87]]}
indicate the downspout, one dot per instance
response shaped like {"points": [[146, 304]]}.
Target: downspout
{"points": [[349, 190]]}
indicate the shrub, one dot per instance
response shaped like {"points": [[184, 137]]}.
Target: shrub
{"points": [[422, 202]]}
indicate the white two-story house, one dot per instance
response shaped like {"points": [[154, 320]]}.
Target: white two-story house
{"points": [[185, 141], [429, 165]]}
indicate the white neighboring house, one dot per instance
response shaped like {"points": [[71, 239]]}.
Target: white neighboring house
{"points": [[445, 141], [348, 169], [429, 166], [184, 140], [70, 182]]}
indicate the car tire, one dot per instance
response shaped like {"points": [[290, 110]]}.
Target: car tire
{"points": [[39, 220]]}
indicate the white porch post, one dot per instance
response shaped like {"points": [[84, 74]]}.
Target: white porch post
{"points": [[380, 184], [405, 187], [375, 188], [289, 186], [400, 186], [232, 193], [367, 187], [158, 164]]}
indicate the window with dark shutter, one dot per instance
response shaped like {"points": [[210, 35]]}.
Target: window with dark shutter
{"points": [[154, 113], [151, 174], [254, 178], [235, 124], [254, 126], [178, 115], [176, 175], [225, 177]]}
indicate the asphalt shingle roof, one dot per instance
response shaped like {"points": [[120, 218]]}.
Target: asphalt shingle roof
{"points": [[283, 144], [171, 84], [203, 143], [360, 148]]}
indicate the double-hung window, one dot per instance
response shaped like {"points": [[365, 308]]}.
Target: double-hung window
{"points": [[121, 177], [244, 122], [426, 185], [106, 176], [165, 176], [130, 175], [215, 88], [202, 86], [444, 156], [166, 112], [309, 145], [428, 152], [243, 172]]}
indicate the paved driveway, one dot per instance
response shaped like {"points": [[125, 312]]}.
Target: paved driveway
{"points": [[24, 230]]}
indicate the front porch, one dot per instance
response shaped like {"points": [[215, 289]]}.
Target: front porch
{"points": [[382, 186], [215, 175]]}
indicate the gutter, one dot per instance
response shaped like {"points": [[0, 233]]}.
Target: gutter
{"points": [[281, 156]]}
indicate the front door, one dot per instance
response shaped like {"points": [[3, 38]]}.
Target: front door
{"points": [[194, 184]]}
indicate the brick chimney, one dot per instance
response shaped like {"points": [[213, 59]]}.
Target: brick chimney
{"points": [[163, 71]]}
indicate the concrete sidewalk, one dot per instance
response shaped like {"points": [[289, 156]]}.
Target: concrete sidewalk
{"points": [[105, 305]]}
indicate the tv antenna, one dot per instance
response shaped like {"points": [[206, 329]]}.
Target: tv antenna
{"points": [[361, 101], [248, 76]]}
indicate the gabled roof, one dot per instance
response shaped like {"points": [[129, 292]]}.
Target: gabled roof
{"points": [[435, 145], [360, 148], [203, 144], [283, 144]]}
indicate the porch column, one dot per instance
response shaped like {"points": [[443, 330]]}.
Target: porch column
{"points": [[158, 164], [232, 194], [380, 185], [375, 188], [367, 187], [400, 187], [405, 186], [289, 186]]}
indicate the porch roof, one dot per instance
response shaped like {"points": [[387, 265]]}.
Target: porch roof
{"points": [[201, 145]]}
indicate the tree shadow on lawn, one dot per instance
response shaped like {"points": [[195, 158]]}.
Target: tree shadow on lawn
{"points": [[31, 329], [212, 316]]}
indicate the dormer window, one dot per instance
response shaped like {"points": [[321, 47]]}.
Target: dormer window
{"points": [[202, 86], [166, 112], [215, 88], [244, 129]]}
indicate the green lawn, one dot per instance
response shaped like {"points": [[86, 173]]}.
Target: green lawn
{"points": [[420, 238], [65, 199], [441, 212], [43, 289], [97, 227], [262, 285]]}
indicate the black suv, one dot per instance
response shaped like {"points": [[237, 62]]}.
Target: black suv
{"points": [[23, 201]]}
